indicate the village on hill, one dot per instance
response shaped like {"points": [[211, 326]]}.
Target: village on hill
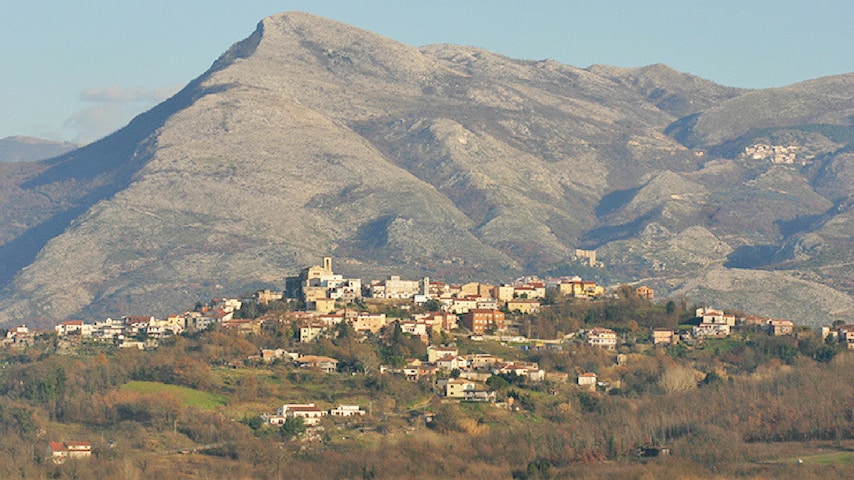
{"points": [[318, 300], [448, 332]]}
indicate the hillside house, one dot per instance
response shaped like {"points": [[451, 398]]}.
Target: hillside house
{"points": [[309, 331], [711, 330], [601, 337], [269, 355], [479, 321], [780, 327], [483, 361], [60, 451], [434, 353], [663, 336], [715, 317], [457, 388], [451, 362], [309, 413], [846, 336], [346, 411], [645, 292], [266, 296], [523, 306], [529, 370], [366, 322], [318, 362], [588, 380], [76, 327]]}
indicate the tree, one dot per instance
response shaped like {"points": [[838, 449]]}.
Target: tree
{"points": [[293, 427], [677, 378]]}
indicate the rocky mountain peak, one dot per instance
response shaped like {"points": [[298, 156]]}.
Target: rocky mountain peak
{"points": [[313, 138]]}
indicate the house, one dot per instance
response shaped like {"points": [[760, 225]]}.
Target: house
{"points": [[457, 388], [530, 291], [481, 320], [310, 330], [324, 305], [846, 335], [346, 411], [715, 317], [711, 330], [309, 412], [366, 322], [601, 337], [73, 327], [415, 328], [439, 321], [451, 362], [462, 305], [269, 355], [579, 288], [434, 353], [663, 336], [523, 306], [504, 293], [588, 380], [266, 296], [60, 451], [244, 326], [645, 292], [317, 362], [480, 361], [557, 377], [780, 327], [529, 370]]}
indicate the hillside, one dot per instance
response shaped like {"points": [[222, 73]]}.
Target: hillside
{"points": [[311, 137], [28, 149]]}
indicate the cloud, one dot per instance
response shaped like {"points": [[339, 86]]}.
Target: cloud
{"points": [[116, 94], [111, 108]]}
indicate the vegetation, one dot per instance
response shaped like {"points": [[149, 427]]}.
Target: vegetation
{"points": [[748, 406]]}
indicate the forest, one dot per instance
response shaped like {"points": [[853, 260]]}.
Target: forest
{"points": [[748, 406]]}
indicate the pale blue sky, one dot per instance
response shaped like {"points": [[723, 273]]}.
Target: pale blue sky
{"points": [[79, 70]]}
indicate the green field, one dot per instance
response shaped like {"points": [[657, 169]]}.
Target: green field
{"points": [[188, 396], [832, 458], [823, 459]]}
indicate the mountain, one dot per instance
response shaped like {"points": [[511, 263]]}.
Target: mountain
{"points": [[29, 149], [312, 138]]}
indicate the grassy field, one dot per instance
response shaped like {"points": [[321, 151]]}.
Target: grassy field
{"points": [[825, 459], [188, 396]]}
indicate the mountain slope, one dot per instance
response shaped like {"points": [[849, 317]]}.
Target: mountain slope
{"points": [[311, 137], [28, 149]]}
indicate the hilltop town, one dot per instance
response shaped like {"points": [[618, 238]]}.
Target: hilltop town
{"points": [[332, 357]]}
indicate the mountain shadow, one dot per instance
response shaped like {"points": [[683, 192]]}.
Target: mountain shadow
{"points": [[98, 171]]}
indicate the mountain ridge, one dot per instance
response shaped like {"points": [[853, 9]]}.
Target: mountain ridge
{"points": [[311, 137]]}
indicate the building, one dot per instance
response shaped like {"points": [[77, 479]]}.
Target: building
{"points": [[309, 413], [587, 255], [663, 336], [715, 317], [711, 330], [601, 337], [523, 306], [346, 411], [457, 388], [366, 322], [645, 292], [434, 353], [324, 364], [481, 320], [780, 327], [60, 451], [587, 380]]}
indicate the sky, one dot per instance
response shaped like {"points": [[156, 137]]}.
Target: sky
{"points": [[77, 71]]}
